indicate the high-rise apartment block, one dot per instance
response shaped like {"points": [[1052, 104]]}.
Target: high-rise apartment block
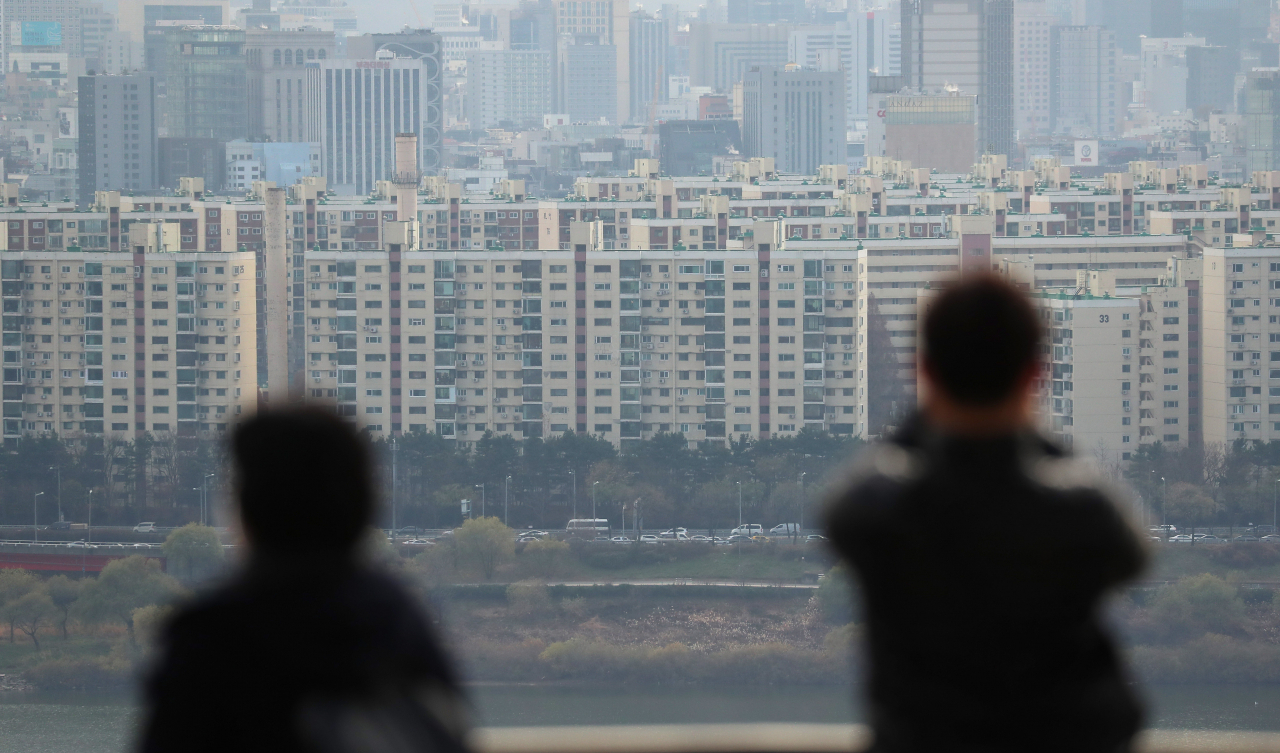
{"points": [[117, 134], [795, 116]]}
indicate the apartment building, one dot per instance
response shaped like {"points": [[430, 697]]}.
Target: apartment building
{"points": [[127, 342], [1241, 314]]}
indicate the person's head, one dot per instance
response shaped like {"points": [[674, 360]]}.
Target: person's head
{"points": [[304, 481], [981, 345]]}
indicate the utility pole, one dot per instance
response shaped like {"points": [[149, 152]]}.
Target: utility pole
{"points": [[574, 476], [58, 469], [204, 499], [505, 499], [594, 484], [481, 488], [90, 516], [1164, 501]]}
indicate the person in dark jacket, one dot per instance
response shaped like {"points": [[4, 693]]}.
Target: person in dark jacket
{"points": [[308, 649], [983, 552]]}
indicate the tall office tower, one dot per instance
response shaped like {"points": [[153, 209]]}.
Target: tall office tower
{"points": [[52, 24], [721, 54], [650, 53], [767, 11], [355, 108], [118, 127], [427, 48], [1084, 99], [275, 61], [1032, 23], [95, 24], [586, 80], [532, 26], [1211, 77], [146, 21], [969, 44], [1164, 73], [796, 116], [508, 86], [1262, 120], [868, 45], [205, 74], [608, 22]]}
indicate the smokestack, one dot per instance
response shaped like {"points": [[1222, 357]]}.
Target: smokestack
{"points": [[405, 177]]}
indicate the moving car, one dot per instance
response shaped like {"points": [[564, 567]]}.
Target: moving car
{"points": [[61, 525], [649, 538], [1245, 537], [748, 529], [145, 528], [408, 531], [785, 529], [815, 538], [738, 538], [674, 533], [1271, 539], [702, 539], [621, 540]]}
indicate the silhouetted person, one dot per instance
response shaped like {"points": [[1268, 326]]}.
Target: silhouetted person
{"points": [[307, 649], [983, 551]]}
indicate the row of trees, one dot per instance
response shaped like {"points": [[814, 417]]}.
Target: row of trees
{"points": [[1224, 485], [533, 482]]}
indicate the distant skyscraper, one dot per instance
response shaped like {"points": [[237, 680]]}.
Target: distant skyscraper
{"points": [[587, 80], [868, 45], [795, 115], [649, 52], [606, 22], [969, 44], [767, 11], [277, 96], [511, 86], [117, 139], [356, 108], [1084, 96], [1262, 120], [427, 47], [1031, 26], [1211, 74], [205, 75], [721, 54]]}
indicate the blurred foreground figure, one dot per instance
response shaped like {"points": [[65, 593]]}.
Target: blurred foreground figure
{"points": [[308, 649], [983, 552]]}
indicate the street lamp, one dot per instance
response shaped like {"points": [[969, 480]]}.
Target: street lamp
{"points": [[204, 499], [506, 482], [802, 501], [481, 488], [58, 469], [575, 493], [35, 518], [739, 483], [90, 516], [594, 484], [1164, 501], [1273, 506]]}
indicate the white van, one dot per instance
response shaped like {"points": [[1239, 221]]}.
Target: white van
{"points": [[785, 529], [145, 528], [748, 529]]}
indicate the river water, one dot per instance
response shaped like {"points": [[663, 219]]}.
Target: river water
{"points": [[83, 723]]}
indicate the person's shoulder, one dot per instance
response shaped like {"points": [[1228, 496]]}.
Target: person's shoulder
{"points": [[875, 478], [1055, 469]]}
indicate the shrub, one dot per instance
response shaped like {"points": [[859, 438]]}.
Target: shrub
{"points": [[528, 599], [835, 597], [79, 674], [546, 557], [1197, 605]]}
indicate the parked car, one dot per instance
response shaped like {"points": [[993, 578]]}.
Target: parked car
{"points": [[785, 529], [604, 539], [621, 540], [1181, 538], [1271, 539], [702, 539], [649, 538], [738, 538], [1164, 529], [748, 529], [145, 528], [674, 533], [1209, 538], [815, 538], [1245, 537]]}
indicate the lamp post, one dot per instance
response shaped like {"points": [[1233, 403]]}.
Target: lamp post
{"points": [[1164, 501], [594, 484], [394, 458], [90, 529], [58, 470], [481, 488], [35, 518], [506, 483], [739, 483], [204, 499], [1274, 489], [802, 501], [574, 476]]}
